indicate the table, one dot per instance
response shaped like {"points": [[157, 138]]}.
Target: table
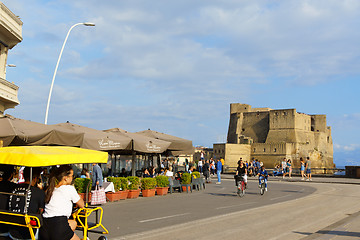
{"points": [[108, 186]]}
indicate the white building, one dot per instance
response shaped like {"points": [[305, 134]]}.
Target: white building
{"points": [[10, 35]]}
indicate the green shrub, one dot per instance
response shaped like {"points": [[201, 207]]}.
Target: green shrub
{"points": [[148, 183], [162, 181], [195, 174], [134, 183], [120, 183], [80, 184], [186, 178]]}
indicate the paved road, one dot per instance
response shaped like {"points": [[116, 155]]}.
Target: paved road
{"points": [[290, 210], [133, 218]]}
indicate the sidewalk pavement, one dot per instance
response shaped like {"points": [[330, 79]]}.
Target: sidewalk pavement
{"points": [[345, 229], [315, 179]]}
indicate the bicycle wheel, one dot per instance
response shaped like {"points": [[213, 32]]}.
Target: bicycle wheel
{"points": [[242, 189], [262, 189]]}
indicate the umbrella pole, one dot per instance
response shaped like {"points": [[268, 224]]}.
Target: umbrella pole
{"points": [[133, 159]]}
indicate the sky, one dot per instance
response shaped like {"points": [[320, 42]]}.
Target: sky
{"points": [[175, 66]]}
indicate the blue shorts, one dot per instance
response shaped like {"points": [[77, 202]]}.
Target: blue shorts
{"points": [[302, 168], [308, 171]]}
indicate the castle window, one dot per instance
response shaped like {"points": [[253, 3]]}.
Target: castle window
{"points": [[243, 129], [328, 139], [264, 149], [285, 113], [254, 149], [274, 149]]}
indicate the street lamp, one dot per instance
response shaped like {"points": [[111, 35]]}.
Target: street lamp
{"points": [[57, 64]]}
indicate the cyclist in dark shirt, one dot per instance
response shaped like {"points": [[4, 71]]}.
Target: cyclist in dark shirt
{"points": [[241, 173]]}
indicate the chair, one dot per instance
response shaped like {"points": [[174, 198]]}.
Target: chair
{"points": [[173, 184], [195, 182], [202, 183]]}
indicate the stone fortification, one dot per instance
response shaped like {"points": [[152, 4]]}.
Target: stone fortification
{"points": [[274, 134]]}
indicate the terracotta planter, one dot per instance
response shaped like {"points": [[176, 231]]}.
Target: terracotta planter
{"points": [[184, 189], [116, 196], [148, 192], [133, 193], [83, 197], [162, 190]]}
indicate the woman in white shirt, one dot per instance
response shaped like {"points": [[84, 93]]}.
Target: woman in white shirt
{"points": [[59, 200]]}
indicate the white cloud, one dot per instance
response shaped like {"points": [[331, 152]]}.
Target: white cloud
{"points": [[184, 62]]}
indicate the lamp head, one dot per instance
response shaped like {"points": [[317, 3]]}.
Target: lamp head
{"points": [[89, 24]]}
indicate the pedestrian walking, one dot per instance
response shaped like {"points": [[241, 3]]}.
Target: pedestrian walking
{"points": [[218, 170], [308, 169], [283, 166], [206, 171], [97, 177], [200, 165], [289, 167], [302, 168]]}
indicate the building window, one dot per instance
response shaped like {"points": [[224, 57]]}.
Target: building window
{"points": [[254, 149], [264, 149], [285, 113], [274, 149]]}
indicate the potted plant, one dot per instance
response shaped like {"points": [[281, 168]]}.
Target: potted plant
{"points": [[162, 183], [148, 187], [134, 184], [120, 186], [186, 182], [80, 185], [195, 174]]}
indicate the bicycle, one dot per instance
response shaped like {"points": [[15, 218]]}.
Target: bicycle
{"points": [[240, 185], [262, 186]]}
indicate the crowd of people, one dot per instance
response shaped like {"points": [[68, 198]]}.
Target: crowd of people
{"points": [[50, 194]]}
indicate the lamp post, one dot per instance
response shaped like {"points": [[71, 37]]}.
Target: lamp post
{"points": [[57, 64]]}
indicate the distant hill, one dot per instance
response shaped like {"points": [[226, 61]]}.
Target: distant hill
{"points": [[347, 158]]}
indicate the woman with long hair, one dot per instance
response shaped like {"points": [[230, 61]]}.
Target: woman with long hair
{"points": [[59, 199]]}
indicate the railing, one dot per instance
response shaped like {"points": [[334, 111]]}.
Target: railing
{"points": [[296, 171]]}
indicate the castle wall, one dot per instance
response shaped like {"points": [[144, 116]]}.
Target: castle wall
{"points": [[272, 154], [275, 134], [231, 153], [318, 123], [256, 125], [238, 107]]}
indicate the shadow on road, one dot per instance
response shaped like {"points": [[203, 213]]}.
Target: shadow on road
{"points": [[336, 233], [233, 194]]}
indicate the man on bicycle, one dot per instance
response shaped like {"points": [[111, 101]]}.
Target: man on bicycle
{"points": [[241, 173], [263, 175]]}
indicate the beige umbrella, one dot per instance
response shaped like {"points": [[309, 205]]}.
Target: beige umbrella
{"points": [[142, 143], [18, 132], [97, 139], [177, 146]]}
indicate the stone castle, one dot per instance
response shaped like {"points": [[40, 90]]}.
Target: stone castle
{"points": [[270, 135]]}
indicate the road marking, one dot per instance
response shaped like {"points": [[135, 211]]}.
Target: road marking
{"points": [[235, 205], [160, 218], [271, 199]]}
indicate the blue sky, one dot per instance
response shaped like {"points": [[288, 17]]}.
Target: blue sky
{"points": [[175, 67]]}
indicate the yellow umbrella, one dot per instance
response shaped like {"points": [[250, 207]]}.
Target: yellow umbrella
{"points": [[41, 156]]}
